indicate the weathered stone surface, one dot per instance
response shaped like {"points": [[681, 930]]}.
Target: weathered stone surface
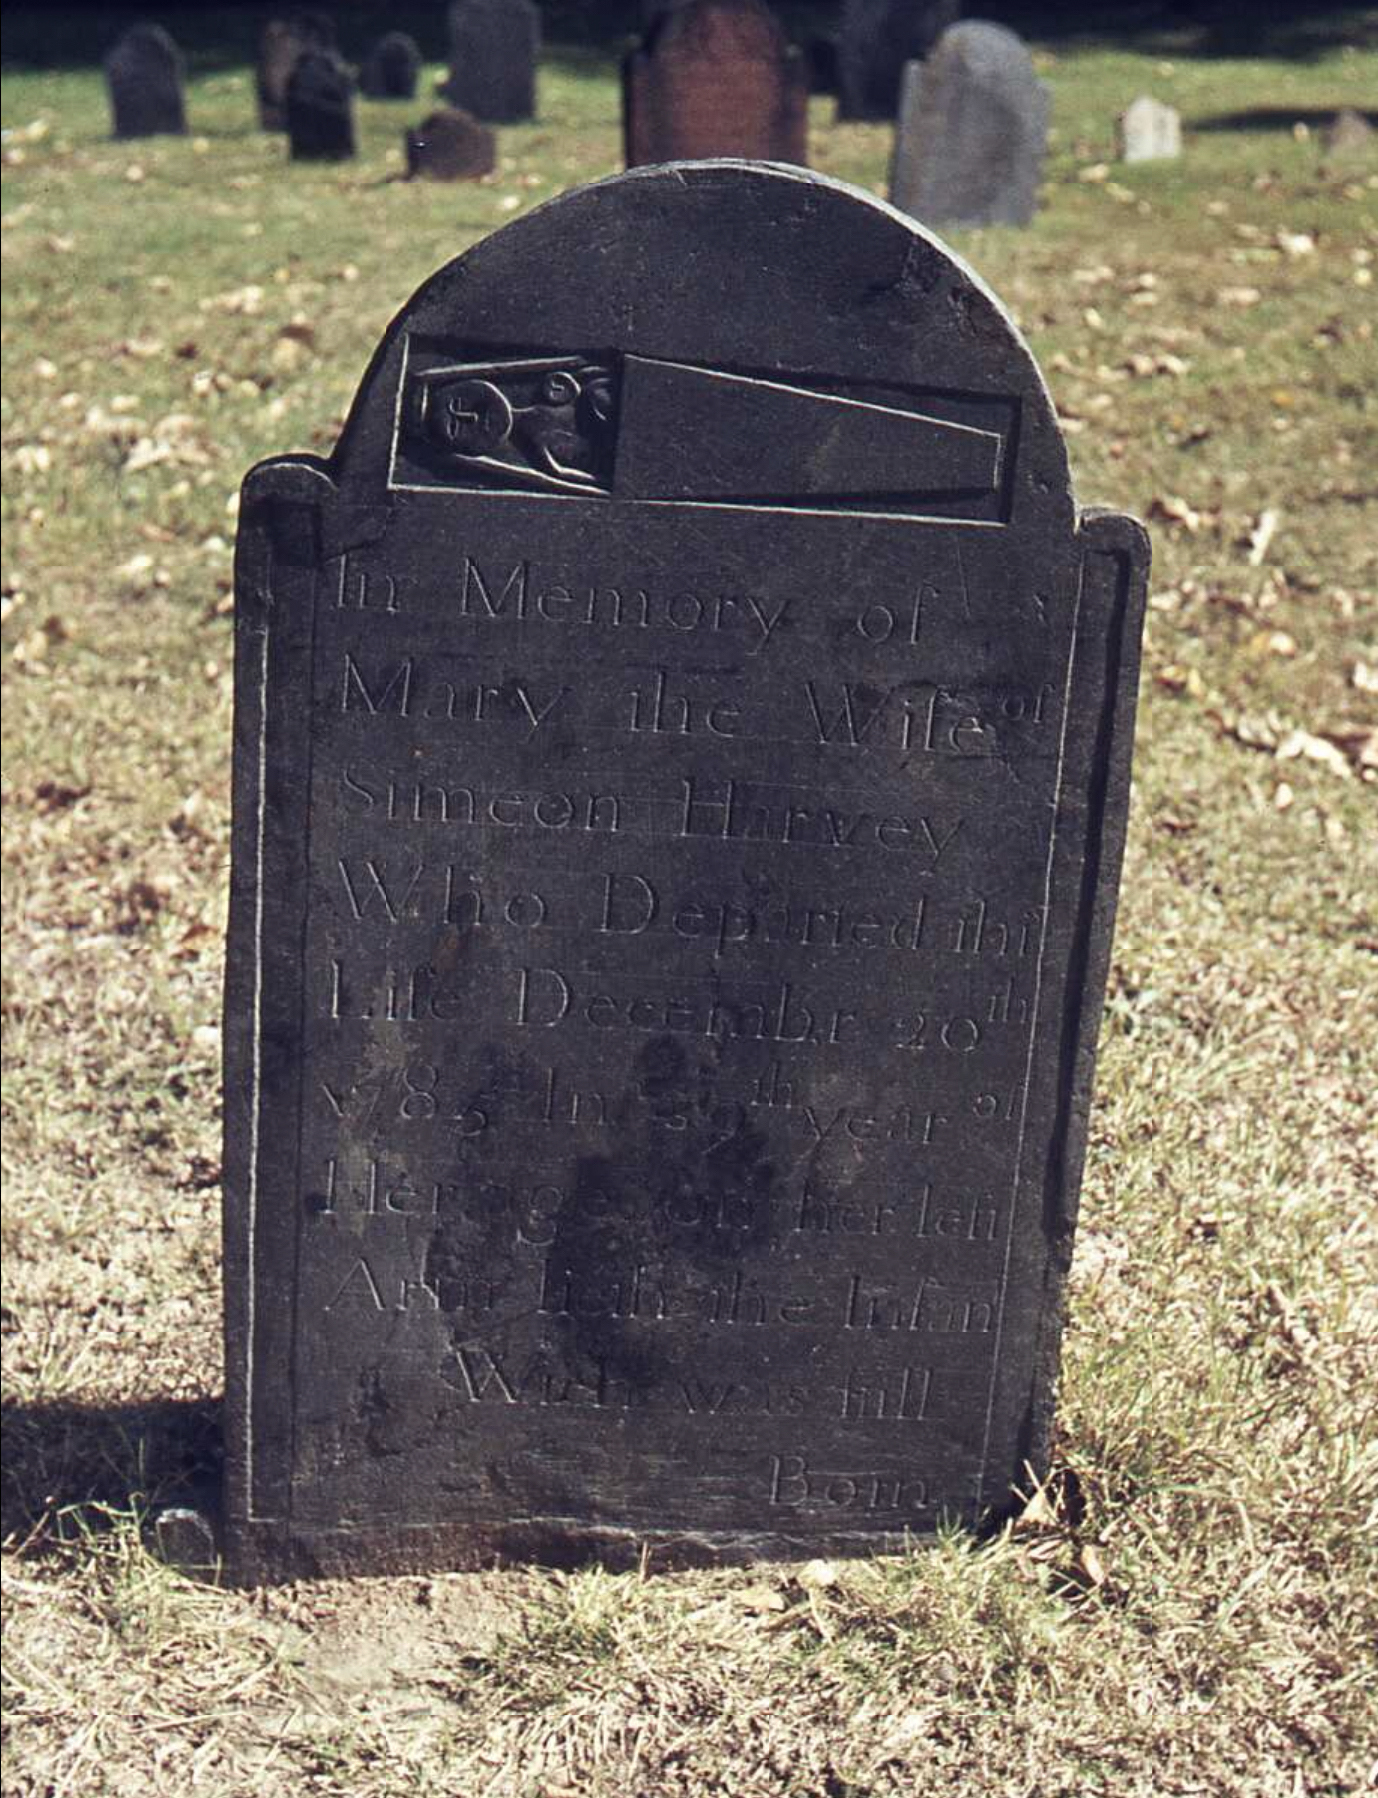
{"points": [[972, 131], [450, 146], [281, 42], [320, 108], [715, 78], [145, 74], [391, 68], [494, 46], [1148, 131], [878, 38], [681, 761]]}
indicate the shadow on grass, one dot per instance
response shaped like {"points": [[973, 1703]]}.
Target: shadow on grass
{"points": [[1275, 118], [61, 1458]]}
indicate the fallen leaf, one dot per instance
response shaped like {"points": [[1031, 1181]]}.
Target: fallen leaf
{"points": [[1315, 749], [760, 1599]]}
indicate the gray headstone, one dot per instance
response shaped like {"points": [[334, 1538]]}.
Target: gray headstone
{"points": [[1148, 131], [878, 37], [320, 108], [681, 760], [145, 73], [494, 46], [391, 68], [450, 146], [972, 131], [715, 78], [280, 43], [1348, 134]]}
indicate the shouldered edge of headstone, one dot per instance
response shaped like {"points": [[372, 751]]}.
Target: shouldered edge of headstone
{"points": [[508, 415]]}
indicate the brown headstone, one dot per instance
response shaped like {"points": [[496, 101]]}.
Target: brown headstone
{"points": [[715, 78], [282, 41], [450, 145]]}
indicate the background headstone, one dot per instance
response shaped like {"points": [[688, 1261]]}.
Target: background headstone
{"points": [[494, 46], [281, 42], [878, 37], [391, 68], [145, 73], [715, 78], [972, 131], [320, 108], [1348, 134], [681, 764], [450, 145], [1148, 131]]}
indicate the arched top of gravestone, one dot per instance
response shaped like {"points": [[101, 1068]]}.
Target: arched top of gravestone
{"points": [[144, 44], [586, 352]]}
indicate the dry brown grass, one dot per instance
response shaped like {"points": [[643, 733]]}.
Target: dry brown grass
{"points": [[1190, 1606]]}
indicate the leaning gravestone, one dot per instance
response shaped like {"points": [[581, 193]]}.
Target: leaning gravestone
{"points": [[281, 42], [145, 73], [450, 145], [1148, 131], [681, 764], [715, 78], [878, 37], [320, 108], [391, 68], [494, 45], [972, 131]]}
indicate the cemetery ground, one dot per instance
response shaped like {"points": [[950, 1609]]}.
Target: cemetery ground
{"points": [[1189, 1605]]}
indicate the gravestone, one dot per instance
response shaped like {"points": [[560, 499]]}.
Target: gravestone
{"points": [[391, 68], [494, 45], [1148, 131], [972, 131], [450, 146], [281, 42], [681, 764], [877, 38], [715, 78], [1348, 134], [145, 73], [320, 108]]}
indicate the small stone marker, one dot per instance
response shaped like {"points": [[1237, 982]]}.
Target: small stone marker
{"points": [[391, 68], [320, 108], [877, 39], [1148, 131], [450, 146], [681, 763], [972, 131], [281, 42], [494, 46], [1348, 134], [145, 73], [716, 78]]}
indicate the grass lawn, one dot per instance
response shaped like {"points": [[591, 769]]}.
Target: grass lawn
{"points": [[1192, 1605]]}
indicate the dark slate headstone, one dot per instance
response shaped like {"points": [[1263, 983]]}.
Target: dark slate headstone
{"points": [[450, 146], [391, 68], [494, 45], [281, 42], [715, 78], [681, 764], [145, 73], [320, 108], [877, 38], [972, 131]]}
